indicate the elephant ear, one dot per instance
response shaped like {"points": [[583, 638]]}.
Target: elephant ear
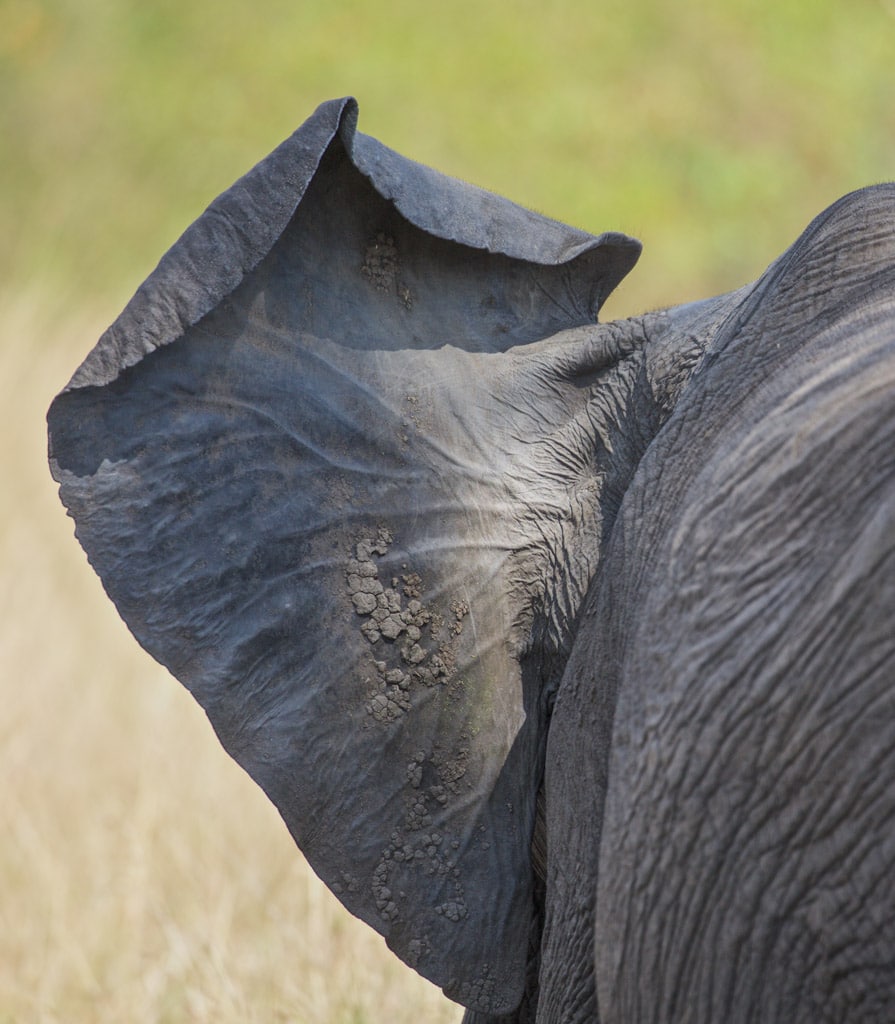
{"points": [[298, 463]]}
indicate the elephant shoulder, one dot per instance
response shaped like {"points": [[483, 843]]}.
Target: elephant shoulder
{"points": [[836, 275], [842, 250]]}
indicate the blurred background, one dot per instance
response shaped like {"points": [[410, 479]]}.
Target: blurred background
{"points": [[142, 876]]}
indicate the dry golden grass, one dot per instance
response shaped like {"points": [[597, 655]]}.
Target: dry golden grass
{"points": [[143, 877]]}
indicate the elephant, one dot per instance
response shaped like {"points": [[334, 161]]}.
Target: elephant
{"points": [[564, 648]]}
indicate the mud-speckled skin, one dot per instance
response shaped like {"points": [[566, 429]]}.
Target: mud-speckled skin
{"points": [[458, 574]]}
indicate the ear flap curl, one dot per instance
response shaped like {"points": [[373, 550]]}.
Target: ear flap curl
{"points": [[299, 468]]}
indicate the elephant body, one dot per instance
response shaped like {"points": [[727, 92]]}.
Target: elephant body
{"points": [[601, 612], [748, 833]]}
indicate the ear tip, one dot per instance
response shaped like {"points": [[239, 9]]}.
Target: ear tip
{"points": [[626, 249], [618, 254]]}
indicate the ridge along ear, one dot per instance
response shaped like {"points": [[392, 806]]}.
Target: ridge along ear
{"points": [[305, 480]]}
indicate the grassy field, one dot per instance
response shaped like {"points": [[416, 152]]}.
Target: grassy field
{"points": [[142, 876], [714, 132]]}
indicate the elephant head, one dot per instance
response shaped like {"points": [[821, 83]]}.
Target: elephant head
{"points": [[360, 467]]}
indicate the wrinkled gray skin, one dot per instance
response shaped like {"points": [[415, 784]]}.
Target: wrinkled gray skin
{"points": [[565, 650]]}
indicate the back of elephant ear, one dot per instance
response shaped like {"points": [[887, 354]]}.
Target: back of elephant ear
{"points": [[254, 461]]}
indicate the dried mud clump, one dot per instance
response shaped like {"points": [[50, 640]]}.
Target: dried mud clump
{"points": [[381, 265], [400, 628], [411, 647]]}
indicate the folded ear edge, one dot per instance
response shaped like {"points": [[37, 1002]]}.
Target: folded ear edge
{"points": [[239, 228], [453, 210]]}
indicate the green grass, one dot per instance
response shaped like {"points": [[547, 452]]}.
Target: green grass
{"points": [[714, 132], [143, 877]]}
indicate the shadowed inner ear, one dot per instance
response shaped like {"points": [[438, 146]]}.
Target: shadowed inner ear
{"points": [[350, 266]]}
